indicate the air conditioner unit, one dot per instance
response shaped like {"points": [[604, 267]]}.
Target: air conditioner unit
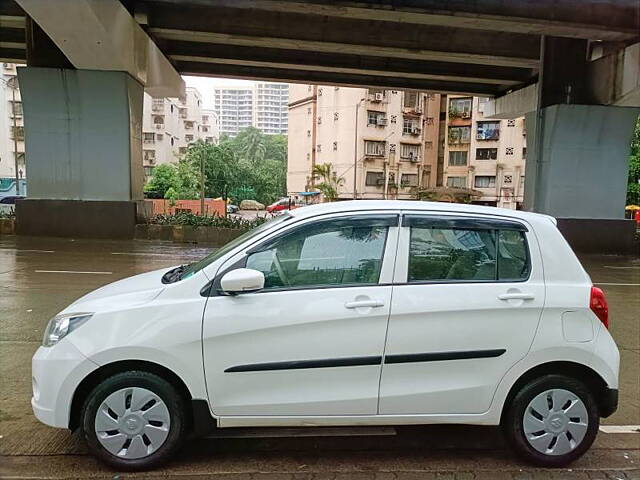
{"points": [[379, 97], [382, 121], [465, 114]]}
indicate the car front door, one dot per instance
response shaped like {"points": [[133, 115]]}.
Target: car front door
{"points": [[311, 342], [467, 301]]}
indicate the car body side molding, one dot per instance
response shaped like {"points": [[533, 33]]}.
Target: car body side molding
{"points": [[368, 360]]}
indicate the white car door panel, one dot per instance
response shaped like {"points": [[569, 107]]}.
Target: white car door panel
{"points": [[311, 342], [453, 335]]}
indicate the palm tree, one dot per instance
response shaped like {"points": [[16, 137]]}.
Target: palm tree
{"points": [[330, 182], [253, 144]]}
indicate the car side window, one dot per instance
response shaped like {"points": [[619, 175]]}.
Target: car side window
{"points": [[450, 253], [334, 252]]}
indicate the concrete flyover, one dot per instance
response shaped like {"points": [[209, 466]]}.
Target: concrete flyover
{"points": [[562, 54]]}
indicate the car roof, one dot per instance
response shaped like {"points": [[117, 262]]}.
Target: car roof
{"points": [[440, 207]]}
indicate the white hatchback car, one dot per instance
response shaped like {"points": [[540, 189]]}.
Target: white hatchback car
{"points": [[351, 313]]}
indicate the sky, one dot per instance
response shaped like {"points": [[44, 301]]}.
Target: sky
{"points": [[205, 86]]}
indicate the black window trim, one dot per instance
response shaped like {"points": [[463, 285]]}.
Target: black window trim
{"points": [[212, 289], [466, 223]]}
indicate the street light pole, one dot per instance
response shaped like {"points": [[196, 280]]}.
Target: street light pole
{"points": [[355, 154], [15, 138]]}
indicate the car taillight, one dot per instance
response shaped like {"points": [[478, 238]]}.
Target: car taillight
{"points": [[598, 305]]}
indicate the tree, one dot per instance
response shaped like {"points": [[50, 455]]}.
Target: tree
{"points": [[179, 177], [633, 188], [330, 182]]}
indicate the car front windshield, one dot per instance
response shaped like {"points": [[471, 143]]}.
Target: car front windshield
{"points": [[195, 267]]}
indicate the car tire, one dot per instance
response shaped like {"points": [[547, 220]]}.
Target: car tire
{"points": [[134, 421], [552, 421]]}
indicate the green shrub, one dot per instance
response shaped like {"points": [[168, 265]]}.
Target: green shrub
{"points": [[191, 219], [7, 214]]}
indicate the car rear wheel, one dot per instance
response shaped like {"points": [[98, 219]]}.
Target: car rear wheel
{"points": [[552, 421], [134, 421]]}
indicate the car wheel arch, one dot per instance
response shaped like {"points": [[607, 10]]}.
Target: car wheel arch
{"points": [[592, 380], [88, 383]]}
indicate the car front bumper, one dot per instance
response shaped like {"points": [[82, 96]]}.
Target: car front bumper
{"points": [[609, 402], [56, 372]]}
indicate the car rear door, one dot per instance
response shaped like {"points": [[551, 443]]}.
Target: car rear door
{"points": [[311, 342], [468, 295]]}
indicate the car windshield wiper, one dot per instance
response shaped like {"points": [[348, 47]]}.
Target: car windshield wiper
{"points": [[174, 274]]}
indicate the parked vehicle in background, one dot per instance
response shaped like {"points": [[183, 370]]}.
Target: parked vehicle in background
{"points": [[11, 199], [282, 205], [348, 313], [232, 208]]}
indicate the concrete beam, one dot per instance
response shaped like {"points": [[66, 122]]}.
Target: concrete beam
{"points": [[587, 19], [269, 29], [513, 105], [335, 47], [506, 77], [615, 79], [331, 78], [102, 35]]}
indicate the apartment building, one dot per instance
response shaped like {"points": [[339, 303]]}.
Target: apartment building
{"points": [[392, 144], [262, 105], [483, 154], [383, 143], [271, 108], [171, 124], [11, 132]]}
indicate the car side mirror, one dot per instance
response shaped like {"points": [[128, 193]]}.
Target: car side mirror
{"points": [[242, 280]]}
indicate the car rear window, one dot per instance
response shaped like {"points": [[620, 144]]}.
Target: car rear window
{"points": [[470, 252]]}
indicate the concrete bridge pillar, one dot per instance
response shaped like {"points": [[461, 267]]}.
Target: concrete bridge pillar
{"points": [[83, 142], [576, 171]]}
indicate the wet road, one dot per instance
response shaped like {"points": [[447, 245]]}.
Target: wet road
{"points": [[39, 277]]}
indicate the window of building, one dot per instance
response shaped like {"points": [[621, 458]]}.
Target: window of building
{"points": [[374, 147], [467, 255], [459, 135], [158, 119], [148, 137], [16, 108], [309, 111], [182, 150], [188, 138], [458, 158], [319, 92], [335, 146], [428, 145], [488, 131], [318, 148], [394, 118], [374, 179], [509, 151], [460, 107], [319, 120], [486, 153], [376, 118], [508, 179], [334, 252], [205, 119], [410, 126], [148, 170], [457, 182], [411, 99], [149, 155], [485, 181], [17, 133], [409, 180], [159, 136], [188, 125], [308, 133], [308, 156], [410, 151], [335, 116], [511, 123], [429, 120]]}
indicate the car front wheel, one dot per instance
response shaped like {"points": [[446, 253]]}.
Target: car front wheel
{"points": [[552, 421], [134, 421]]}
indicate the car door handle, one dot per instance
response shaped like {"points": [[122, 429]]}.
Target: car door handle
{"points": [[364, 304], [516, 296]]}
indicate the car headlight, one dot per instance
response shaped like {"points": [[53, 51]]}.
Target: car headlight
{"points": [[62, 325]]}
